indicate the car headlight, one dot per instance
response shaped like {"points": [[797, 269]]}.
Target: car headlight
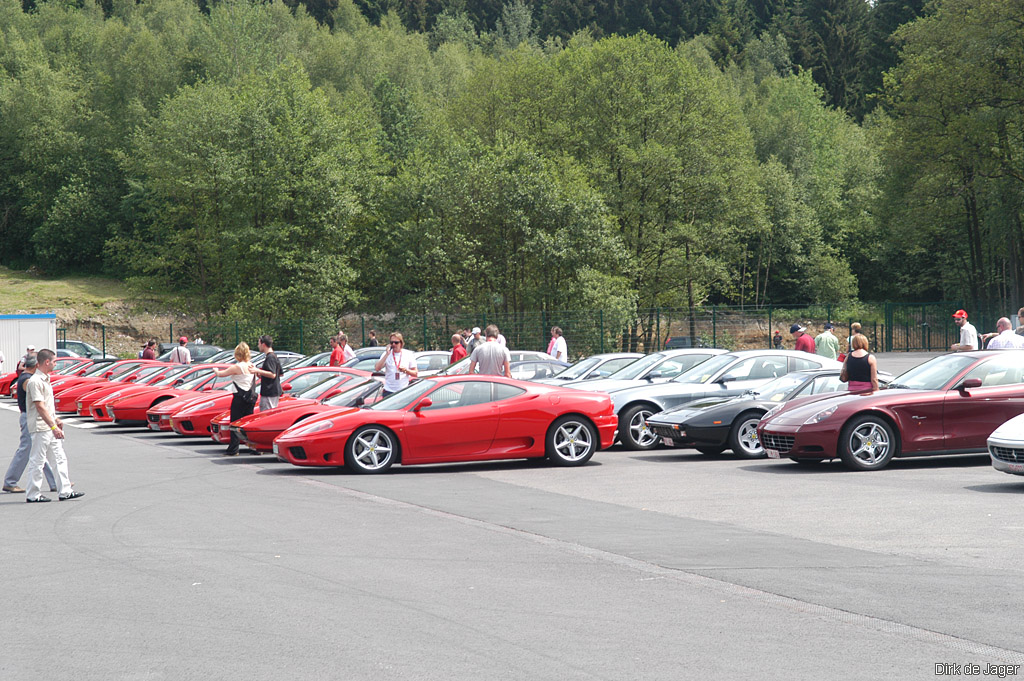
{"points": [[197, 407], [114, 396], [771, 412], [822, 415], [312, 428]]}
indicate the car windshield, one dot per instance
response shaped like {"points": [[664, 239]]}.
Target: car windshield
{"points": [[98, 369], [320, 387], [122, 370], [196, 379], [403, 398], [145, 372], [703, 372], [628, 373], [776, 391], [345, 399], [577, 370], [460, 367], [312, 360], [933, 374], [172, 375]]}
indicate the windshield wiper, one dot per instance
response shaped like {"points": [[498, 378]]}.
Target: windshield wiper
{"points": [[898, 385]]}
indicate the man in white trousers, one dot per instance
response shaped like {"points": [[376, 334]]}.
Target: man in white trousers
{"points": [[47, 434]]}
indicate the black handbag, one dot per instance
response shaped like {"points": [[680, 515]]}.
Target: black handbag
{"points": [[249, 396]]}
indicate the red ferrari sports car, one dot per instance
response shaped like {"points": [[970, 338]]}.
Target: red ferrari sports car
{"points": [[194, 418], [63, 365], [96, 374], [138, 381], [456, 418], [948, 405], [67, 398], [198, 379], [258, 431]]}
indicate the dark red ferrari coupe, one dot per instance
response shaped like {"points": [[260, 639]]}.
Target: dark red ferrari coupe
{"points": [[456, 418], [948, 405]]}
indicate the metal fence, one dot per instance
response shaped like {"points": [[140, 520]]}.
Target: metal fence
{"points": [[888, 327]]}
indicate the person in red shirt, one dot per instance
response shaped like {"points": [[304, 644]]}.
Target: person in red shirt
{"points": [[458, 349], [337, 353], [803, 341]]}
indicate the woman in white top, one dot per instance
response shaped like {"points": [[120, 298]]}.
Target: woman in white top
{"points": [[397, 364], [243, 379]]}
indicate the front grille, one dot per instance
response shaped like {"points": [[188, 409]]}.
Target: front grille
{"points": [[664, 431], [782, 443], [153, 418], [214, 428], [298, 453], [1008, 454], [186, 425]]}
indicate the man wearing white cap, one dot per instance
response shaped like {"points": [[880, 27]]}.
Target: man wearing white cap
{"points": [[30, 351], [474, 339]]}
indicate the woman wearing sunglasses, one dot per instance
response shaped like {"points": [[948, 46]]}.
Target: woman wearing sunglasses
{"points": [[397, 364]]}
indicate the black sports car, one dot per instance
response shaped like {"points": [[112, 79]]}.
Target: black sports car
{"points": [[715, 424]]}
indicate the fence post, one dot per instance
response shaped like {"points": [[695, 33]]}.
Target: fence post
{"points": [[236, 332], [362, 331], [714, 326], [302, 349], [424, 329], [770, 334], [170, 339], [601, 317], [103, 329], [657, 325]]}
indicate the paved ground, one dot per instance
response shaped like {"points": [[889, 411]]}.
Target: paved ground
{"points": [[179, 564]]}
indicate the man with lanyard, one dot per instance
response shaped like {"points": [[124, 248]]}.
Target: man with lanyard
{"points": [[492, 357], [20, 459], [968, 334], [181, 354], [397, 364], [270, 374], [47, 434]]}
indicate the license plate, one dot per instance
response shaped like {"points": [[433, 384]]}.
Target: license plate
{"points": [[154, 426], [667, 441], [275, 449], [1016, 467], [772, 453]]}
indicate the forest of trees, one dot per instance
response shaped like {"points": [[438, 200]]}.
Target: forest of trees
{"points": [[340, 155]]}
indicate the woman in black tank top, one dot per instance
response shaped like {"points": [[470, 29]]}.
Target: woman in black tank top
{"points": [[861, 368]]}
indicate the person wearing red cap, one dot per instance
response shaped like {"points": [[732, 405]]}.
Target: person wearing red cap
{"points": [[968, 334], [181, 354]]}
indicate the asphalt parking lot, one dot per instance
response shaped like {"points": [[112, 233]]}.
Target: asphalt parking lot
{"points": [[181, 564]]}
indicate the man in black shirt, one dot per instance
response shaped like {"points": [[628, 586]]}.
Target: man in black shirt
{"points": [[20, 460], [270, 376]]}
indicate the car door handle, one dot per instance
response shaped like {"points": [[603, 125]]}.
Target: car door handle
{"points": [[919, 418]]}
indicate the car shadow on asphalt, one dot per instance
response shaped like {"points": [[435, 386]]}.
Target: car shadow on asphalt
{"points": [[1008, 487], [679, 457], [835, 465], [428, 469]]}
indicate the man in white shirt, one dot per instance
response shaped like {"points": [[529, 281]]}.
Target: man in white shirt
{"points": [[557, 347], [1006, 338], [181, 354], [47, 434], [397, 364], [968, 334], [347, 352], [492, 357]]}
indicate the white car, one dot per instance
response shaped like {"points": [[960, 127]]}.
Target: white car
{"points": [[1006, 446]]}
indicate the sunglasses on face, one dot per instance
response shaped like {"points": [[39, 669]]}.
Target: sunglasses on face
{"points": [[396, 342]]}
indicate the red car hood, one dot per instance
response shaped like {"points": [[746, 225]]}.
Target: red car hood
{"points": [[267, 418], [329, 413]]}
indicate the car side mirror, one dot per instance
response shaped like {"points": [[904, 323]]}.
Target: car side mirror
{"points": [[359, 401], [424, 403], [970, 384], [179, 381], [653, 375], [286, 387]]}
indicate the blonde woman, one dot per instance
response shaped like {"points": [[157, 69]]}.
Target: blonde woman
{"points": [[243, 380], [860, 369]]}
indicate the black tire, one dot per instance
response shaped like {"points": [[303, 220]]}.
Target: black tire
{"points": [[633, 431], [743, 440], [571, 441], [371, 449], [710, 451], [868, 443]]}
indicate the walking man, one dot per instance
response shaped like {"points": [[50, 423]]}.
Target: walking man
{"points": [[181, 354], [347, 352], [372, 342], [30, 351], [47, 434], [149, 352], [557, 347], [20, 459], [336, 352], [826, 344], [474, 340], [270, 375], [968, 334], [803, 341], [492, 357]]}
